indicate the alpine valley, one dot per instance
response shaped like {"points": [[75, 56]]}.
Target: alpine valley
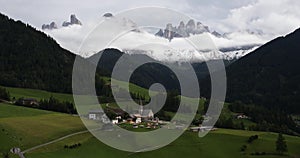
{"points": [[38, 118]]}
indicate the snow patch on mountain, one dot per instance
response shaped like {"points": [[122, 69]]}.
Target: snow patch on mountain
{"points": [[131, 39]]}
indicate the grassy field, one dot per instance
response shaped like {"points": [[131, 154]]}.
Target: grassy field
{"points": [[25, 127], [132, 87], [222, 143], [37, 94], [41, 94]]}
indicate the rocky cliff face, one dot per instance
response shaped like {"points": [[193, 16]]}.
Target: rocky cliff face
{"points": [[50, 26], [182, 30], [108, 15], [73, 21]]}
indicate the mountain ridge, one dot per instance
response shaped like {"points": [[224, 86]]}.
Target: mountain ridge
{"points": [[267, 76]]}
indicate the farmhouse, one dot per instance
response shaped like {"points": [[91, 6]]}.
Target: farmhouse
{"points": [[138, 120], [28, 101], [95, 114], [98, 115], [242, 116], [115, 121]]}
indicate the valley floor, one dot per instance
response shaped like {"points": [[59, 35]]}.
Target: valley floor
{"points": [[25, 128]]}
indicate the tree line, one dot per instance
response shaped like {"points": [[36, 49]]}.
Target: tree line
{"points": [[4, 94], [51, 104], [274, 120]]}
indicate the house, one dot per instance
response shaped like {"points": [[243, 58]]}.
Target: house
{"points": [[115, 121], [95, 114], [98, 115], [138, 120], [242, 116], [28, 101], [130, 121]]}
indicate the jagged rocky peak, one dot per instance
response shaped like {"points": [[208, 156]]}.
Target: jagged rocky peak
{"points": [[190, 26], [201, 28], [73, 21], [169, 27], [169, 31], [181, 26], [50, 26], [108, 15], [182, 31], [160, 33], [217, 34]]}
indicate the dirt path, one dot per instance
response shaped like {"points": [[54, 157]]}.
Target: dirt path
{"points": [[54, 141]]}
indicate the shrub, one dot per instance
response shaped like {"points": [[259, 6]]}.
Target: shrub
{"points": [[72, 146], [252, 138], [244, 148]]}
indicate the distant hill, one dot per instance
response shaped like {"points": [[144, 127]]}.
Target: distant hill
{"points": [[147, 74], [269, 76], [144, 76]]}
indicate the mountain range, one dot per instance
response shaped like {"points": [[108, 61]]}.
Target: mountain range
{"points": [[170, 43], [182, 31], [73, 21], [268, 77]]}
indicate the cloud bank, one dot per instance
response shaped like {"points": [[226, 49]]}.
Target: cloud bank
{"points": [[244, 21]]}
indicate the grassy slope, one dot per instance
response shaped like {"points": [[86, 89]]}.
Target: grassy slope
{"points": [[26, 127], [222, 143], [17, 123], [132, 87], [41, 94], [37, 94], [43, 126]]}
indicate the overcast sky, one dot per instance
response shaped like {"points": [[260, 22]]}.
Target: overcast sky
{"points": [[273, 17], [279, 16], [37, 12]]}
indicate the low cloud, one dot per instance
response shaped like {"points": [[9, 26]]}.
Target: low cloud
{"points": [[276, 18], [245, 21]]}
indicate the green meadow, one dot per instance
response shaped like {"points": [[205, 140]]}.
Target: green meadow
{"points": [[26, 127], [37, 94]]}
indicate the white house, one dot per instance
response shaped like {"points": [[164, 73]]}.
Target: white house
{"points": [[98, 115], [138, 120], [115, 121], [95, 114], [242, 116]]}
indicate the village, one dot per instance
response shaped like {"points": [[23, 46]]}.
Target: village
{"points": [[141, 118], [146, 119]]}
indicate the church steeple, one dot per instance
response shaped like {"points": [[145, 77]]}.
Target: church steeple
{"points": [[141, 107]]}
